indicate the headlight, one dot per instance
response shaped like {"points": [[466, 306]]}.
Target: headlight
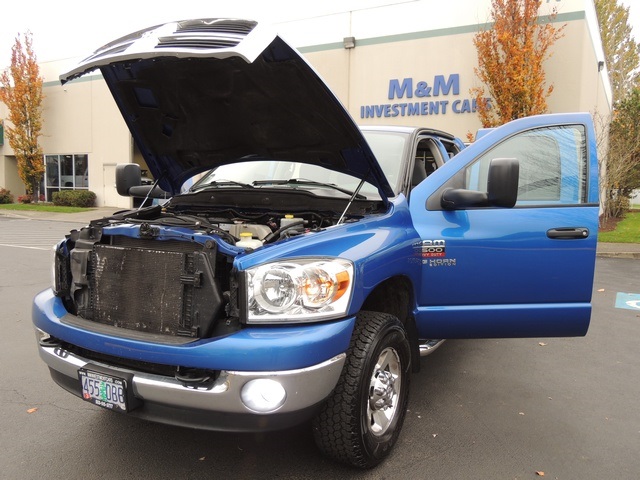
{"points": [[60, 273], [299, 291], [54, 269]]}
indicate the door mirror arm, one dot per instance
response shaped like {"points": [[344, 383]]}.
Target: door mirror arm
{"points": [[457, 198]]}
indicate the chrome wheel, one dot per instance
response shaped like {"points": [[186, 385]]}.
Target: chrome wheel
{"points": [[384, 389], [360, 422]]}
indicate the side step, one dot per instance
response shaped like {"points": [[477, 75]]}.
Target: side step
{"points": [[427, 347]]}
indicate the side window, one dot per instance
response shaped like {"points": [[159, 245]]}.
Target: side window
{"points": [[553, 165]]}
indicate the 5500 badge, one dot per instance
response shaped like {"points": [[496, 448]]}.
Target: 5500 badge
{"points": [[431, 248], [433, 253]]}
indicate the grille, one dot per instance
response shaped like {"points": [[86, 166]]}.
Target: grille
{"points": [[157, 287], [189, 376], [196, 42], [207, 34], [238, 27]]}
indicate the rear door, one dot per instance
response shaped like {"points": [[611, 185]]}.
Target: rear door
{"points": [[525, 271]]}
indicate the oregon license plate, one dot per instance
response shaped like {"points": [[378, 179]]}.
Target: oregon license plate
{"points": [[104, 390]]}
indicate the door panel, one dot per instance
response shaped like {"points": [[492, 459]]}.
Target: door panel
{"points": [[512, 272]]}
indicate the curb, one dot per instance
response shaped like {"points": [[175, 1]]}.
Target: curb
{"points": [[627, 255]]}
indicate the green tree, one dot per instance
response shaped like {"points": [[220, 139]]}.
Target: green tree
{"points": [[511, 55], [622, 174], [621, 157], [621, 51], [21, 92]]}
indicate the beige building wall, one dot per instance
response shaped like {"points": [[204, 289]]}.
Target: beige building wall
{"points": [[372, 67], [78, 118], [82, 118], [579, 79], [9, 178], [361, 76]]}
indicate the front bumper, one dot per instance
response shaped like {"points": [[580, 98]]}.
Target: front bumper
{"points": [[166, 400], [265, 349], [305, 360]]}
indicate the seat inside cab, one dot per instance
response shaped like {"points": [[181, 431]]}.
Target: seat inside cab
{"points": [[427, 159]]}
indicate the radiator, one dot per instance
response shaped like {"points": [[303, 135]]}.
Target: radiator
{"points": [[167, 288]]}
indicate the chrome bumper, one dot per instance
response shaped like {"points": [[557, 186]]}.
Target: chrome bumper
{"points": [[304, 387]]}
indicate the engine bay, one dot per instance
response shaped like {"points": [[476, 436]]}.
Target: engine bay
{"points": [[167, 270], [269, 215]]}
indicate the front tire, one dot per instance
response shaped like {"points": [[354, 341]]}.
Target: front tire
{"points": [[361, 420]]}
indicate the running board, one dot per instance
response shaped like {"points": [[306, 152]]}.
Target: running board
{"points": [[427, 347]]}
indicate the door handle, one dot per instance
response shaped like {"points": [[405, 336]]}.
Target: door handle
{"points": [[564, 233]]}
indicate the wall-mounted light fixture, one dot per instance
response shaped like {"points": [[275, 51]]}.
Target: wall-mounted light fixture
{"points": [[600, 65], [349, 42]]}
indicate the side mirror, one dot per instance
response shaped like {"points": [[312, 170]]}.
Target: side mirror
{"points": [[127, 175], [129, 183], [502, 184], [502, 188]]}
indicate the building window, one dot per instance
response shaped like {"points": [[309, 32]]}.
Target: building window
{"points": [[65, 172]]}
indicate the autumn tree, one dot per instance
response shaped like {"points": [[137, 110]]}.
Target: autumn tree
{"points": [[21, 92], [621, 51], [511, 55]]}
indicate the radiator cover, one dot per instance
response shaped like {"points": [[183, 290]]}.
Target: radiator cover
{"points": [[167, 288]]}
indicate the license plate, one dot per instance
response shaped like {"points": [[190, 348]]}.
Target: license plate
{"points": [[104, 390]]}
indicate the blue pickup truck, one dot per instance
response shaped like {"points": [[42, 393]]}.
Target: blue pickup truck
{"points": [[311, 265]]}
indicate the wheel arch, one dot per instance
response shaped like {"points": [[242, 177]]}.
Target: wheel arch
{"points": [[396, 296]]}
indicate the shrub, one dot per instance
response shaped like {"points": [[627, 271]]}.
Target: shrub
{"points": [[618, 205], [28, 198], [74, 198], [5, 196]]}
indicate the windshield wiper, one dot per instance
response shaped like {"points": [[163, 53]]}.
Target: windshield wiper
{"points": [[303, 181], [219, 183]]}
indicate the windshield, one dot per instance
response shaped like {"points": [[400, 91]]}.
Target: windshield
{"points": [[388, 147]]}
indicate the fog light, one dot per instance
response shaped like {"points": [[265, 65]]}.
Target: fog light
{"points": [[263, 395]]}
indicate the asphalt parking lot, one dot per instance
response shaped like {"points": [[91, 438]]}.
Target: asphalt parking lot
{"points": [[481, 409]]}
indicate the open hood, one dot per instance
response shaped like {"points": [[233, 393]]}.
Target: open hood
{"points": [[197, 94]]}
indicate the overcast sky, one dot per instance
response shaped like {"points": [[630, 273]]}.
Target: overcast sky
{"points": [[72, 28], [75, 28]]}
